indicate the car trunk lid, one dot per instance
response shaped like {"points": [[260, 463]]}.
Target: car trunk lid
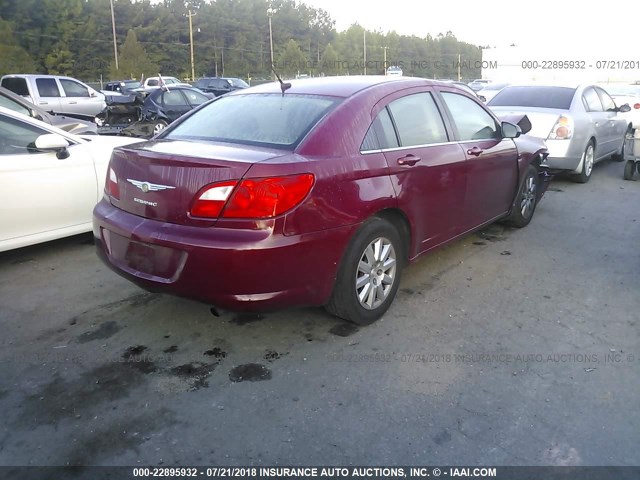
{"points": [[542, 120], [159, 179]]}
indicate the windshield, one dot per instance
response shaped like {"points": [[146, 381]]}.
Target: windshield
{"points": [[237, 82], [537, 97], [270, 120], [170, 80]]}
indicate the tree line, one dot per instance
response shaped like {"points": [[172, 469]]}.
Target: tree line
{"points": [[230, 38]]}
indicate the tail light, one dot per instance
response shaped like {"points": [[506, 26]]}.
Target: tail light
{"points": [[636, 106], [252, 197], [112, 188], [563, 129]]}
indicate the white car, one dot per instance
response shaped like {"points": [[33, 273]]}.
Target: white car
{"points": [[51, 179], [629, 94]]}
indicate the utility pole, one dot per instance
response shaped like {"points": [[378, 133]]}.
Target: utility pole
{"points": [[193, 74], [385, 59], [459, 56], [113, 27], [364, 50], [270, 14]]}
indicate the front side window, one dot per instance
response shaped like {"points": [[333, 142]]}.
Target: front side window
{"points": [[75, 89], [47, 87], [17, 137], [274, 120], [418, 120], [472, 121]]}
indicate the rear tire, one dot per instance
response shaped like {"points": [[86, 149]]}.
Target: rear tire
{"points": [[588, 160], [526, 201], [159, 126], [369, 274], [619, 157], [629, 169]]}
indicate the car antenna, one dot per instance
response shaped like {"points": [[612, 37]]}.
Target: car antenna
{"points": [[283, 86]]}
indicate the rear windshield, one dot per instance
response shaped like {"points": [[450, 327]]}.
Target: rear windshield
{"points": [[16, 85], [538, 97], [272, 120]]}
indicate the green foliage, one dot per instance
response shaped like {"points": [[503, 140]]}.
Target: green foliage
{"points": [[231, 38], [133, 60], [15, 59]]}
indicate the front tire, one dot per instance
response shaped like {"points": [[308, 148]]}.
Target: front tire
{"points": [[588, 160], [526, 201], [369, 274], [159, 126]]}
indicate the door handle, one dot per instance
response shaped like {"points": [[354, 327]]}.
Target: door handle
{"points": [[43, 103], [73, 103], [475, 151], [409, 160]]}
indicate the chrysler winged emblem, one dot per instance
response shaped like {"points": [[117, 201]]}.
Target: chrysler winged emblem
{"points": [[149, 187]]}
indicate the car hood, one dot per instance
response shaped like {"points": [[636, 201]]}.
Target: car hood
{"points": [[73, 125]]}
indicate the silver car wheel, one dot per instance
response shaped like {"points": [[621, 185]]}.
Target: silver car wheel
{"points": [[528, 201], [588, 160], [376, 273]]}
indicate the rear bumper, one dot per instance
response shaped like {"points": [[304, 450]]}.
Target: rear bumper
{"points": [[230, 268], [564, 155]]}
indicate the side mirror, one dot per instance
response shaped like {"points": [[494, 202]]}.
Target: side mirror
{"points": [[52, 142], [509, 130], [624, 108]]}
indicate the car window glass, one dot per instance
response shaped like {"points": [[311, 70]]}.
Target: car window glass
{"points": [[472, 121], [16, 85], [195, 98], [534, 96], [258, 119], [173, 98], [152, 83], [593, 101], [607, 102], [381, 133], [418, 120], [17, 137], [74, 89], [16, 107], [47, 87]]}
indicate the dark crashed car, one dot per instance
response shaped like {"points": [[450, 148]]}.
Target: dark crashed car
{"points": [[163, 106], [317, 192]]}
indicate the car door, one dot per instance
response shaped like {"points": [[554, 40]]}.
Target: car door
{"points": [[491, 165], [41, 193], [78, 99], [174, 104], [48, 94], [427, 170], [599, 120], [616, 125]]}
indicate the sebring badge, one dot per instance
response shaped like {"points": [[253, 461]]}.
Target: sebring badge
{"points": [[149, 187]]}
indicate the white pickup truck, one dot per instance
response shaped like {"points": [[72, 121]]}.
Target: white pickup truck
{"points": [[58, 94], [152, 83]]}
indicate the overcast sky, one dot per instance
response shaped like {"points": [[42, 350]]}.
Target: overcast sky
{"points": [[565, 26]]}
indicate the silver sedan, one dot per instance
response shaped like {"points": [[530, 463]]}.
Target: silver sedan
{"points": [[581, 124]]}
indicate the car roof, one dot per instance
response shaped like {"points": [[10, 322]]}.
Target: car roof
{"points": [[344, 86]]}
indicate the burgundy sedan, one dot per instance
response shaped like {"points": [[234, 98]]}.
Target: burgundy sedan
{"points": [[316, 192]]}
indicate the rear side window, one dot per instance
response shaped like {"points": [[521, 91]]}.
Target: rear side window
{"points": [[418, 120], [47, 87], [274, 120], [381, 134], [537, 97], [16, 85], [75, 89], [591, 100], [472, 121]]}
